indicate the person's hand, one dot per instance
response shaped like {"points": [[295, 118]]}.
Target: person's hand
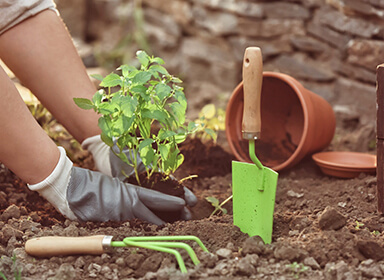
{"points": [[89, 195], [108, 163], [93, 196]]}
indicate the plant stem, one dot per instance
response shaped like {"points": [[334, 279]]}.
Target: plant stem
{"points": [[221, 205]]}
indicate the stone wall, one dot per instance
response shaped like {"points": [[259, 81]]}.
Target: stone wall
{"points": [[331, 46]]}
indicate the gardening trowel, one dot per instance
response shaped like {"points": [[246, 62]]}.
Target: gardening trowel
{"points": [[254, 185]]}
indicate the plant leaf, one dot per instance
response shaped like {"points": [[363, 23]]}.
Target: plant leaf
{"points": [[97, 97], [111, 80], [192, 127], [106, 139], [180, 138], [158, 68], [158, 60], [143, 58], [126, 69], [128, 105], [208, 111], [161, 116], [141, 77], [122, 124], [164, 150], [106, 108], [147, 155], [213, 200], [97, 77], [180, 97], [145, 143], [176, 80], [211, 133], [162, 90], [84, 103], [165, 134], [140, 89], [178, 111]]}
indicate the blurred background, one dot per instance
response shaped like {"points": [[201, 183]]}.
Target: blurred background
{"points": [[331, 46]]}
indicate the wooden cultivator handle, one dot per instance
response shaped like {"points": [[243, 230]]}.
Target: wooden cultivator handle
{"points": [[50, 246], [252, 82]]}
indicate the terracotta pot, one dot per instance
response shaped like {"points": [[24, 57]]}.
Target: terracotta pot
{"points": [[295, 122]]}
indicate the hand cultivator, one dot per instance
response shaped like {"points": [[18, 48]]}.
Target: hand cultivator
{"points": [[50, 246]]}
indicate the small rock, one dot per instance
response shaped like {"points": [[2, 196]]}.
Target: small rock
{"points": [[152, 263], [208, 260], [3, 252], [224, 253], [335, 271], [71, 230], [35, 217], [23, 211], [253, 245], [31, 268], [370, 249], [126, 272], [342, 204], [120, 262], [370, 269], [331, 219], [105, 257], [94, 269], [230, 246], [285, 252], [245, 266], [106, 272], [9, 232], [65, 272], [80, 262], [11, 212], [311, 262], [134, 260], [20, 254], [291, 193], [28, 224], [221, 268]]}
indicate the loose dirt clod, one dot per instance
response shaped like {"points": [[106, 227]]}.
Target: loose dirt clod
{"points": [[331, 219]]}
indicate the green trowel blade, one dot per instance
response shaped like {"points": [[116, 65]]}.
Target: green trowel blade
{"points": [[254, 192]]}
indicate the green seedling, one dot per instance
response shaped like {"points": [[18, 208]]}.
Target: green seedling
{"points": [[375, 233], [133, 100], [218, 206], [209, 123], [297, 269], [358, 225]]}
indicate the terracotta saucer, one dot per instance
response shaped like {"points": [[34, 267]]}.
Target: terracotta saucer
{"points": [[345, 164]]}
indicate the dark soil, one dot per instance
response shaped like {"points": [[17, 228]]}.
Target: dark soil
{"points": [[162, 183], [324, 228]]}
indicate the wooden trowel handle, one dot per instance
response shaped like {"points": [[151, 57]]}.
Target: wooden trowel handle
{"points": [[252, 81], [50, 246]]}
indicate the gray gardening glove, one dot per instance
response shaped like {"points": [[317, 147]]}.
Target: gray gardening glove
{"points": [[89, 195], [93, 196], [108, 163]]}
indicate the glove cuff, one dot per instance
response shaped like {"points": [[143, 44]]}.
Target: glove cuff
{"points": [[100, 152], [54, 187]]}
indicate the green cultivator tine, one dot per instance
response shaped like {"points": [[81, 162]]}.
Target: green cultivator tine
{"points": [[162, 244]]}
